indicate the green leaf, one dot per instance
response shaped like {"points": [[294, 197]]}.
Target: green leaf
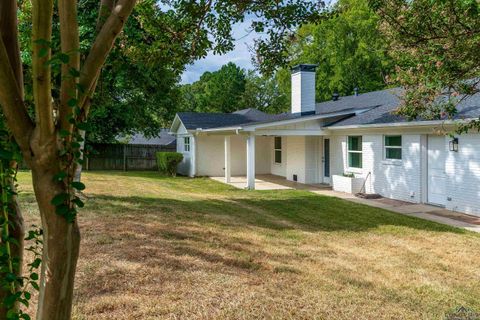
{"points": [[77, 111], [78, 202], [36, 263], [60, 176], [71, 216], [12, 314], [78, 185], [63, 57], [42, 42], [83, 126], [35, 285], [62, 210], [27, 295], [11, 277], [43, 52], [9, 300], [5, 154], [25, 316], [59, 199], [24, 302], [75, 145], [72, 102], [13, 241], [34, 276], [74, 72], [80, 88]]}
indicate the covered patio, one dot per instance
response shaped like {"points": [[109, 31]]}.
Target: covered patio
{"points": [[271, 182]]}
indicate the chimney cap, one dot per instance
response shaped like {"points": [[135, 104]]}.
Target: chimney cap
{"points": [[304, 67], [335, 96]]}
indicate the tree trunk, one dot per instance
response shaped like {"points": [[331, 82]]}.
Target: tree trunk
{"points": [[60, 250], [18, 233], [79, 167]]}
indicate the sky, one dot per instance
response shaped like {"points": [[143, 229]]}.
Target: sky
{"points": [[241, 55]]}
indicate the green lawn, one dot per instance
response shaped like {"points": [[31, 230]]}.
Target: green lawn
{"points": [[156, 248]]}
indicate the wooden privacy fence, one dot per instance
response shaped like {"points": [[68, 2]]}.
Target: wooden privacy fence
{"points": [[124, 156]]}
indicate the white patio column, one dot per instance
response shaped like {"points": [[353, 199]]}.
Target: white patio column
{"points": [[228, 162], [251, 162]]}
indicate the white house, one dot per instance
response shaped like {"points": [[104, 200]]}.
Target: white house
{"points": [[320, 142]]}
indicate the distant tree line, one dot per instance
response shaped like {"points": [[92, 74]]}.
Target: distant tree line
{"points": [[229, 89]]}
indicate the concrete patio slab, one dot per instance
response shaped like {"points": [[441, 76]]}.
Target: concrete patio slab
{"points": [[241, 183], [271, 182]]}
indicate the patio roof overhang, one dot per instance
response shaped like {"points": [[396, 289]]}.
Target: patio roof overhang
{"points": [[271, 127]]}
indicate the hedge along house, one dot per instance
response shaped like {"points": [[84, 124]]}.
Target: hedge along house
{"points": [[321, 142]]}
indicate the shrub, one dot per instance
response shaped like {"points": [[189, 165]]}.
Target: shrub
{"points": [[168, 161]]}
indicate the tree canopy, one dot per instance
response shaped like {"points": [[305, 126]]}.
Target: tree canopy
{"points": [[219, 91], [348, 48], [436, 47], [230, 89]]}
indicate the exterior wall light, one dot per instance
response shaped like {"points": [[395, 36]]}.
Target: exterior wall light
{"points": [[453, 145]]}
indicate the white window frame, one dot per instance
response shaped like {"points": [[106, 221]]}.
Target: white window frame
{"points": [[186, 144], [385, 147], [355, 169], [275, 151]]}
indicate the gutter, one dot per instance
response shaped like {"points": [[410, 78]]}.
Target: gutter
{"points": [[399, 124]]}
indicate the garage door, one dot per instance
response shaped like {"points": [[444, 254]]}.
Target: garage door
{"points": [[436, 170]]}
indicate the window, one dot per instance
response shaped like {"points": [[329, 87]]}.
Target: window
{"points": [[393, 147], [186, 144], [278, 150], [354, 148]]}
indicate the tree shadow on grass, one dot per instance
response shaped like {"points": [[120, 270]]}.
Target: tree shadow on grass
{"points": [[305, 212], [170, 240]]}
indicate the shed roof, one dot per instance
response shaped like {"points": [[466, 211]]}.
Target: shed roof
{"points": [[163, 138]]}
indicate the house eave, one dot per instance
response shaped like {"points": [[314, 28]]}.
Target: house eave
{"points": [[253, 127], [401, 124]]}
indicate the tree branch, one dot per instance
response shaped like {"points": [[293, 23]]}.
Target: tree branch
{"points": [[11, 76], [12, 103], [67, 11], [104, 11], [42, 11], [101, 48], [8, 26]]}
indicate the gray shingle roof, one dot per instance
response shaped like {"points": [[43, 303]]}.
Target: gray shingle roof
{"points": [[362, 101], [205, 120], [376, 107], [382, 104], [163, 138]]}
